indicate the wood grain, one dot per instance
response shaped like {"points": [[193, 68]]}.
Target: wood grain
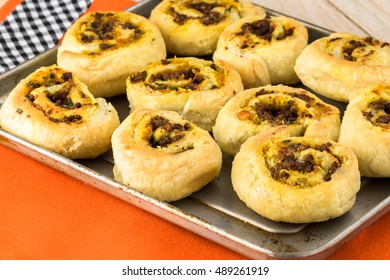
{"points": [[370, 15], [319, 12]]}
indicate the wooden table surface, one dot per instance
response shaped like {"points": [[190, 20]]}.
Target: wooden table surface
{"points": [[361, 17], [45, 214]]}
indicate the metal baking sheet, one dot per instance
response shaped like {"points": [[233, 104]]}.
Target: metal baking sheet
{"points": [[214, 212]]}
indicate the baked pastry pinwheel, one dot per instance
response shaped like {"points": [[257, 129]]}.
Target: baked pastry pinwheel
{"points": [[295, 179], [334, 66], [163, 156], [192, 27], [258, 109], [53, 109], [103, 48], [263, 50], [195, 88], [365, 129]]}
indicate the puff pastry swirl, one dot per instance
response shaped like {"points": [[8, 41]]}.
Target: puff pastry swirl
{"points": [[103, 48], [192, 27], [365, 128], [259, 109], [295, 179], [163, 156], [53, 109], [195, 88], [334, 66], [263, 50]]}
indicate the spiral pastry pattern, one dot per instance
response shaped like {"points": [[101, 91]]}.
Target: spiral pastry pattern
{"points": [[53, 109], [154, 149], [365, 128], [192, 27], [295, 179], [258, 109], [336, 65], [263, 50], [195, 88], [103, 48]]}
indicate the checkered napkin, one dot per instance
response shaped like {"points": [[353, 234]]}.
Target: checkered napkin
{"points": [[34, 27]]}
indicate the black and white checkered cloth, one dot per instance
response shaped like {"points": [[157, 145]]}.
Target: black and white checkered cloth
{"points": [[34, 27]]}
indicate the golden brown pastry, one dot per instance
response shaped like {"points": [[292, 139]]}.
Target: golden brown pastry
{"points": [[258, 109], [366, 130], [192, 27], [163, 156], [295, 179], [195, 88], [103, 48], [263, 50], [53, 109], [334, 66]]}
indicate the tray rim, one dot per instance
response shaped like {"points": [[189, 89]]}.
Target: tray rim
{"points": [[171, 213]]}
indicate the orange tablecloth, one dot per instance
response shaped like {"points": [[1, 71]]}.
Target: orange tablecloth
{"points": [[45, 214]]}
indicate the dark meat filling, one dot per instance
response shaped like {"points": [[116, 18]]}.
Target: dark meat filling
{"points": [[355, 44], [67, 76], [277, 116], [67, 119], [50, 80], [289, 161], [138, 77], [380, 106], [264, 92], [103, 28], [311, 102], [209, 17], [348, 50], [173, 132], [301, 96], [192, 75], [60, 98], [263, 29]]}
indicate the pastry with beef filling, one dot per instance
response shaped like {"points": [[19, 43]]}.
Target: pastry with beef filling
{"points": [[103, 48], [334, 66], [195, 88], [192, 27], [263, 50], [295, 179], [365, 129], [53, 109], [163, 156], [258, 109]]}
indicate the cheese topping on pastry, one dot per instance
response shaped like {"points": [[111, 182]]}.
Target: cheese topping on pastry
{"points": [[263, 50], [377, 106], [160, 133], [206, 12], [107, 31], [163, 156], [366, 50], [264, 108], [180, 75], [263, 32], [295, 179], [301, 164], [274, 108], [195, 88], [56, 94], [53, 109], [365, 129]]}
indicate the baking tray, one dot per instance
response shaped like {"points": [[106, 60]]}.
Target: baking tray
{"points": [[215, 212]]}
